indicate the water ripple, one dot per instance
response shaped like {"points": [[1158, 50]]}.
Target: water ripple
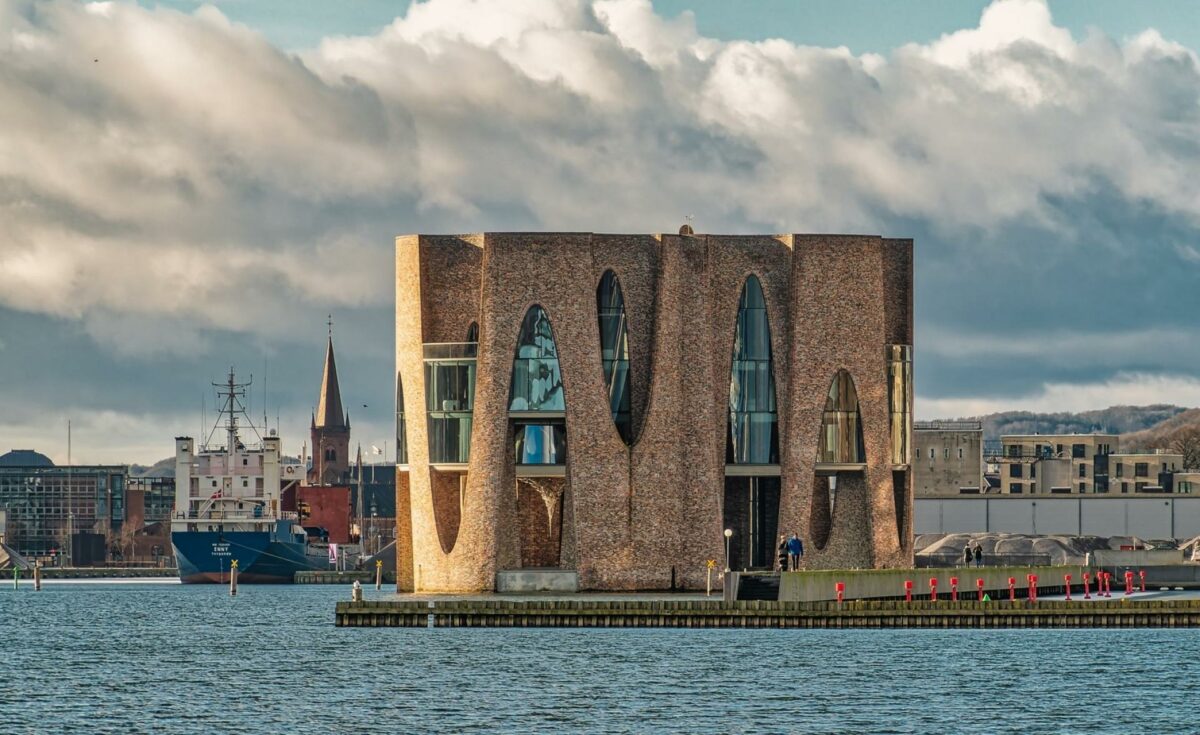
{"points": [[190, 659]]}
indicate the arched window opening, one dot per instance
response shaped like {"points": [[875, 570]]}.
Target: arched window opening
{"points": [[473, 332], [614, 352], [536, 379], [841, 439], [753, 436]]}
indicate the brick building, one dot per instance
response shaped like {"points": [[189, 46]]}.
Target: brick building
{"points": [[610, 405]]}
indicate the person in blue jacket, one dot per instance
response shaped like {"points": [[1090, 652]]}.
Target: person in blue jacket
{"points": [[795, 551]]}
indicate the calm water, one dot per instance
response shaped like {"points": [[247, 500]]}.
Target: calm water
{"points": [[124, 658]]}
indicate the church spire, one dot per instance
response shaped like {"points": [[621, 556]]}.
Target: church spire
{"points": [[329, 408]]}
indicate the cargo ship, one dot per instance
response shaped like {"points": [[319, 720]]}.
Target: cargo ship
{"points": [[228, 503]]}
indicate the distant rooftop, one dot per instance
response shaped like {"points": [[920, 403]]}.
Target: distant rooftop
{"points": [[947, 426], [1051, 436], [25, 458]]}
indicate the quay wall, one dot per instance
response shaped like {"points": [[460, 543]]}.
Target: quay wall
{"points": [[96, 573], [1115, 613]]}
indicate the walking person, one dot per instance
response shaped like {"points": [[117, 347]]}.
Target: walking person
{"points": [[781, 559], [978, 555], [967, 555], [795, 549]]}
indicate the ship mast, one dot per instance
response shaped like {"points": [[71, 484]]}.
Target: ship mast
{"points": [[231, 391]]}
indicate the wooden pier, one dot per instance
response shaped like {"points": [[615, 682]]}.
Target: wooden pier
{"points": [[1113, 613]]}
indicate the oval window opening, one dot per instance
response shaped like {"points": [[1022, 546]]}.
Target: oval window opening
{"points": [[614, 352]]}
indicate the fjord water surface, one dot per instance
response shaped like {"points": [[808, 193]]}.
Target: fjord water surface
{"points": [[138, 658]]}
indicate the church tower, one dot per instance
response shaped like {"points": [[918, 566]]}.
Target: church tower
{"points": [[330, 429]]}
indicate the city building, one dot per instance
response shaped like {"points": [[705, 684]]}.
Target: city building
{"points": [[1187, 482], [1049, 463], [55, 512], [618, 411], [1142, 472], [948, 458]]}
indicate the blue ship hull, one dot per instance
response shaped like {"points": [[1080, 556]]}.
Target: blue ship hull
{"points": [[263, 557]]}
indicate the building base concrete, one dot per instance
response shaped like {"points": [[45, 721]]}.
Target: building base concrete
{"points": [[537, 580]]}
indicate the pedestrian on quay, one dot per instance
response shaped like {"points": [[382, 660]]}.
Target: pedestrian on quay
{"points": [[978, 555], [967, 555], [781, 559], [795, 549]]}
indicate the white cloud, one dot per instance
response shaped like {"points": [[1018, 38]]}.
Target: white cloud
{"points": [[191, 153], [1124, 389]]}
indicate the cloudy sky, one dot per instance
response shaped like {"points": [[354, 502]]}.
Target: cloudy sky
{"points": [[185, 187]]}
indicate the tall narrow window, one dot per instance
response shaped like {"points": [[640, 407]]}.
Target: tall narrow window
{"points": [[401, 425], [536, 379], [841, 431], [753, 436], [899, 359], [614, 351], [473, 332], [536, 394], [450, 400]]}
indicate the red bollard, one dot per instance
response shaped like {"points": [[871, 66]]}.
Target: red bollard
{"points": [[979, 584], [908, 590], [1087, 595], [933, 589], [840, 587], [1067, 581], [1032, 587], [1142, 577], [954, 589], [1012, 589], [1107, 584], [1129, 583]]}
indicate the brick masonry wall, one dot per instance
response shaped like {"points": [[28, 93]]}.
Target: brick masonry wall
{"points": [[632, 515]]}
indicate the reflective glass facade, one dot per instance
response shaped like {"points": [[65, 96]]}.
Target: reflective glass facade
{"points": [[450, 400], [536, 379], [753, 436], [614, 351], [541, 444], [841, 439], [46, 505]]}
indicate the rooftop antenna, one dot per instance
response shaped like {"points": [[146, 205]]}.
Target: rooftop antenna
{"points": [[266, 427]]}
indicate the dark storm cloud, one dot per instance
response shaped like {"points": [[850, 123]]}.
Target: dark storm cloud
{"points": [[176, 194]]}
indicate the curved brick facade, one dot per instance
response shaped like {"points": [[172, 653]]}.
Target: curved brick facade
{"points": [[641, 516]]}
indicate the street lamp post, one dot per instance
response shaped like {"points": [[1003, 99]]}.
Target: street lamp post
{"points": [[728, 535]]}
